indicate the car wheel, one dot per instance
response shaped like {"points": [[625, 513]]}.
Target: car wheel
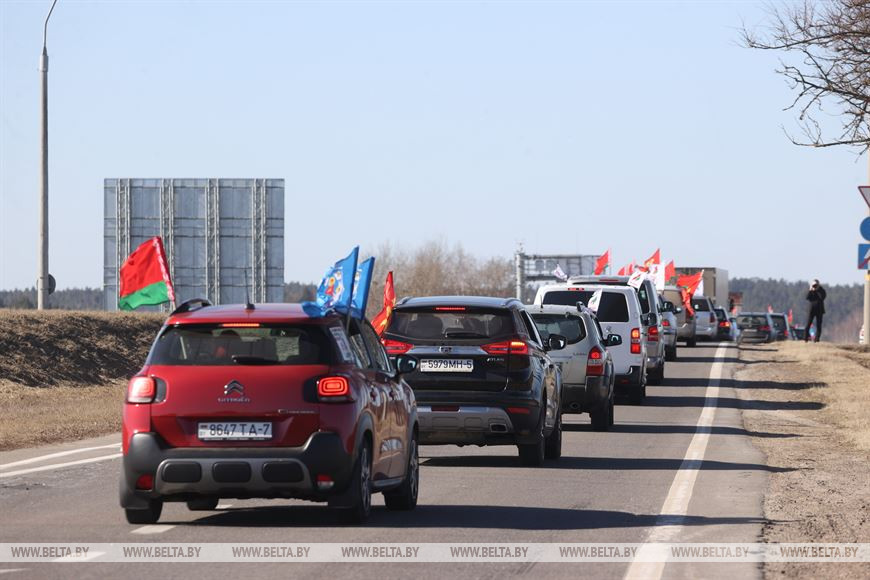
{"points": [[671, 353], [656, 376], [149, 515], [610, 414], [601, 417], [361, 487], [202, 504], [532, 454], [638, 394], [553, 444], [692, 342], [404, 497]]}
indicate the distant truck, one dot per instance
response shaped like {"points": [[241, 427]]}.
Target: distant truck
{"points": [[714, 284]]}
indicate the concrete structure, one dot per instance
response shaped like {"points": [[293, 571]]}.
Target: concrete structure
{"points": [[220, 235]]}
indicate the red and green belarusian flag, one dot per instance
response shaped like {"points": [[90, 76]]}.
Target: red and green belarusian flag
{"points": [[144, 278]]}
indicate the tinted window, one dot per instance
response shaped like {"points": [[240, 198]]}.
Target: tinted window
{"points": [[674, 296], [571, 327], [451, 322], [612, 308], [778, 321], [219, 345], [751, 321], [701, 304], [643, 298], [358, 345], [720, 314], [376, 350], [530, 328]]}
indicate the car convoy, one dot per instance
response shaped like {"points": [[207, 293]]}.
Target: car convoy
{"points": [[267, 401]]}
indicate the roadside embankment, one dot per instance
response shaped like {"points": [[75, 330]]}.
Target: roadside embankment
{"points": [[807, 407], [63, 374]]}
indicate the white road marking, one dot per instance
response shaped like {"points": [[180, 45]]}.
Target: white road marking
{"points": [[152, 529], [673, 512], [90, 556], [223, 506], [58, 454], [8, 570], [59, 465]]}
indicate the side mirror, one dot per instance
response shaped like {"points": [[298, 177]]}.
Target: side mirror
{"points": [[405, 364], [653, 318], [677, 310], [667, 306], [556, 342], [644, 319], [613, 340]]}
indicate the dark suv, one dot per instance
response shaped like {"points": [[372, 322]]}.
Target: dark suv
{"points": [[484, 376], [266, 402]]}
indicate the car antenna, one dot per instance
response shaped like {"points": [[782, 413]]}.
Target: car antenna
{"points": [[248, 304]]}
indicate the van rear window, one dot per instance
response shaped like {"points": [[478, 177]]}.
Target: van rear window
{"points": [[612, 308], [213, 344], [701, 304], [571, 327]]}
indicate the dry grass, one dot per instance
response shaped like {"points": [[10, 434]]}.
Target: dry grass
{"points": [[63, 374]]}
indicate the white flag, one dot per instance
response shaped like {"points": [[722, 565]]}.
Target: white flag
{"points": [[594, 301], [559, 273], [636, 279]]}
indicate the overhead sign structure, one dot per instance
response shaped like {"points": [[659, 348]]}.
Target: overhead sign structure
{"points": [[865, 193], [864, 256]]}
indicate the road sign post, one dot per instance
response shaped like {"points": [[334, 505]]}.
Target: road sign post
{"points": [[865, 193]]}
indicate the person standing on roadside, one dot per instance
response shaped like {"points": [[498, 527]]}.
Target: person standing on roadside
{"points": [[816, 297]]}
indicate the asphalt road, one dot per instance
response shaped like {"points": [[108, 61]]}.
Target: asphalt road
{"points": [[657, 476]]}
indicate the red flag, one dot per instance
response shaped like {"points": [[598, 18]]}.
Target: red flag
{"points": [[769, 309], [144, 277], [621, 271], [602, 262], [670, 270], [790, 317], [653, 260], [630, 269], [690, 283], [382, 320]]}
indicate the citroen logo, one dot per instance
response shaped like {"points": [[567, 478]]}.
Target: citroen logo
{"points": [[444, 349], [234, 392]]}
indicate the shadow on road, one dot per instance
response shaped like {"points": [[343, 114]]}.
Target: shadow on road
{"points": [[730, 403], [605, 463], [717, 430], [453, 516], [735, 384]]}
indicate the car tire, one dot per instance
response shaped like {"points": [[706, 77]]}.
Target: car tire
{"points": [[202, 504], [610, 416], [360, 487], [671, 353], [149, 515], [657, 375], [553, 443], [638, 394], [602, 417], [404, 497], [692, 342], [532, 454]]}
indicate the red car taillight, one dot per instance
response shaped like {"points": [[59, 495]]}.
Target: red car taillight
{"points": [[506, 347], [395, 347], [653, 335], [141, 390], [595, 363], [764, 328], [635, 341], [724, 324], [666, 322], [329, 387]]}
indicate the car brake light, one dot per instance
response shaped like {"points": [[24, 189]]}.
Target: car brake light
{"points": [[666, 323], [635, 334], [765, 328], [595, 363], [240, 325], [333, 387], [324, 482], [395, 347], [635, 341], [506, 347], [724, 324], [145, 482], [450, 309], [653, 334], [635, 348], [141, 390]]}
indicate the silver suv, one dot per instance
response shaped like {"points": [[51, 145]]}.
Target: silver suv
{"points": [[685, 320]]}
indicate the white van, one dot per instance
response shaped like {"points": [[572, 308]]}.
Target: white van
{"points": [[618, 312]]}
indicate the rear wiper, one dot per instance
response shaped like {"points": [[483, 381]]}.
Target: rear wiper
{"points": [[463, 334], [242, 359]]}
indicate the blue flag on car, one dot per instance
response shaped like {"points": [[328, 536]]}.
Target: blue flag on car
{"points": [[335, 290], [361, 285]]}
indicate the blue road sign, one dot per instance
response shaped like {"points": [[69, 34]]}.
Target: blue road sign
{"points": [[864, 256], [865, 228]]}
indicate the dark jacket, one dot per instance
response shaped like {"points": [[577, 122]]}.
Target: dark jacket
{"points": [[816, 299]]}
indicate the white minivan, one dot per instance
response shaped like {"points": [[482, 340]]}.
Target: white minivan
{"points": [[618, 312]]}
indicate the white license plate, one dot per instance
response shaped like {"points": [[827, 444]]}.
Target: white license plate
{"points": [[445, 365], [236, 431]]}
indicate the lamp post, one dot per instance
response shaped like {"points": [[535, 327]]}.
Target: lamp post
{"points": [[42, 278]]}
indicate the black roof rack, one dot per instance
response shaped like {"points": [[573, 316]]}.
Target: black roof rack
{"points": [[189, 305]]}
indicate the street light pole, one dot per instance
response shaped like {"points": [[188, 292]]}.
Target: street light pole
{"points": [[42, 278]]}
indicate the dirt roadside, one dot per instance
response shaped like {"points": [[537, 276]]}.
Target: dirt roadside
{"points": [[63, 375], [808, 408]]}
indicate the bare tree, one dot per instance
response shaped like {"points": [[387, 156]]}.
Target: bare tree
{"points": [[827, 63]]}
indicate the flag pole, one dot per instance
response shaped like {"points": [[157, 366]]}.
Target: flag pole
{"points": [[350, 303]]}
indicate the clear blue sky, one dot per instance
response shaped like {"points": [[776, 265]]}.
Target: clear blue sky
{"points": [[569, 126]]}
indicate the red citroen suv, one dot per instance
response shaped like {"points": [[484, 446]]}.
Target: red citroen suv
{"points": [[266, 402]]}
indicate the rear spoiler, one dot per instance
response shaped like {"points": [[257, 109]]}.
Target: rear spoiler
{"points": [[189, 305]]}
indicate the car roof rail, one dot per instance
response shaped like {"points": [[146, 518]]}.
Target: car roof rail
{"points": [[189, 305], [403, 300]]}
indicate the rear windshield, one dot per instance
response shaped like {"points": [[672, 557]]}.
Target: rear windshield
{"points": [[720, 314], [612, 308], [673, 296], [571, 327], [455, 322], [643, 298], [701, 304], [747, 321], [778, 321], [303, 344]]}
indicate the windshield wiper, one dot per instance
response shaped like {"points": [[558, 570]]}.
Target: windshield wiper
{"points": [[242, 359], [463, 334]]}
